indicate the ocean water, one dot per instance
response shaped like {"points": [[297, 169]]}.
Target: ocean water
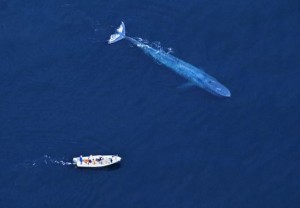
{"points": [[64, 92]]}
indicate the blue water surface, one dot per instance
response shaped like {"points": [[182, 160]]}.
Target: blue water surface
{"points": [[64, 92]]}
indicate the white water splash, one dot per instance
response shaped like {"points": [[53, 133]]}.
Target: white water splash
{"points": [[156, 45], [170, 50]]}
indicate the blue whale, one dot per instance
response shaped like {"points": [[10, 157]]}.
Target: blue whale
{"points": [[195, 75]]}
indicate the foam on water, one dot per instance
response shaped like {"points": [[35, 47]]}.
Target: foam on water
{"points": [[44, 161]]}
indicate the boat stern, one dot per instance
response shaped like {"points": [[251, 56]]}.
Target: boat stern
{"points": [[75, 159]]}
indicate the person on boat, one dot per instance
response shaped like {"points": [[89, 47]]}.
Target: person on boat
{"points": [[90, 158], [80, 159]]}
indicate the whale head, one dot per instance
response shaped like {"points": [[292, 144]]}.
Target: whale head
{"points": [[216, 88]]}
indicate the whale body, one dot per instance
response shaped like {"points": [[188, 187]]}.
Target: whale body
{"points": [[195, 75]]}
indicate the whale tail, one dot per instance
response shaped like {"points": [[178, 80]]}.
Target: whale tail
{"points": [[119, 35]]}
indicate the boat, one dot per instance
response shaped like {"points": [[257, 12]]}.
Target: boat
{"points": [[96, 161]]}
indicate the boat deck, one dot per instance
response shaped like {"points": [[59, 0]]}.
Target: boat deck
{"points": [[96, 161]]}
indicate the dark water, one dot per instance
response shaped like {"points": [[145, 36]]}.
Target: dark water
{"points": [[65, 92]]}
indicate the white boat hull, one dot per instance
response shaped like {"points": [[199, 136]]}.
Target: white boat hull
{"points": [[96, 161]]}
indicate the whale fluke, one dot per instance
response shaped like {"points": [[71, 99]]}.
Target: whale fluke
{"points": [[119, 35]]}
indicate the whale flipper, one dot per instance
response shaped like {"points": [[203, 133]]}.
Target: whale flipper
{"points": [[187, 85], [119, 35]]}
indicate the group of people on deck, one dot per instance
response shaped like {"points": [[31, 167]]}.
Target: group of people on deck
{"points": [[90, 159]]}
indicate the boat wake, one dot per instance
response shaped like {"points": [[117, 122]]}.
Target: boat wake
{"points": [[46, 160], [55, 161]]}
